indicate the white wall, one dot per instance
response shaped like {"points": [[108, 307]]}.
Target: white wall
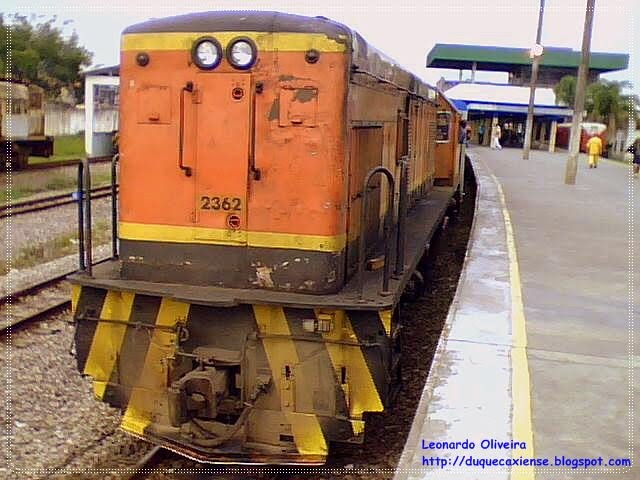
{"points": [[63, 120]]}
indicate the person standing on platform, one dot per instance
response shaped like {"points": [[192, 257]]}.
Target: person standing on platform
{"points": [[594, 149], [495, 138], [481, 134], [634, 149]]}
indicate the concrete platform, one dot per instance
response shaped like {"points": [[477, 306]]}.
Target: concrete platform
{"points": [[539, 347]]}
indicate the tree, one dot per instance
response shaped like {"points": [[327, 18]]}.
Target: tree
{"points": [[565, 90], [604, 101], [42, 55], [607, 104]]}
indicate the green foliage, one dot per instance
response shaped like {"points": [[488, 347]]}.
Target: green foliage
{"points": [[41, 54], [565, 90], [604, 100]]}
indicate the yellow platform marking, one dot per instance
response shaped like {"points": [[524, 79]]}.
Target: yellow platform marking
{"points": [[281, 352], [152, 382], [265, 41], [522, 427], [214, 236], [107, 340], [362, 394]]}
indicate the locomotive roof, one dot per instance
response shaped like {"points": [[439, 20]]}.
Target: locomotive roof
{"points": [[252, 21], [365, 58]]}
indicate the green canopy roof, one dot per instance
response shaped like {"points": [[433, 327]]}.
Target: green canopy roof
{"points": [[505, 59]]}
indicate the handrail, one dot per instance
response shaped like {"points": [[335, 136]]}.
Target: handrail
{"points": [[402, 215], [114, 205], [256, 173], [187, 170], [87, 219], [388, 220], [80, 199]]}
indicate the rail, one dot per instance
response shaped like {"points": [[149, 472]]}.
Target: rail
{"points": [[51, 201], [141, 468], [63, 163], [52, 304]]}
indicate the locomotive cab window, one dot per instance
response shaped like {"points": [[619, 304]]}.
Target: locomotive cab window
{"points": [[443, 127]]}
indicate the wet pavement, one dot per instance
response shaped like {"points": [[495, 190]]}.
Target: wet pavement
{"points": [[539, 345]]}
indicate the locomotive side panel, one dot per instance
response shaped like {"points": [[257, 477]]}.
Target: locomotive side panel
{"points": [[372, 129], [386, 123], [447, 150]]}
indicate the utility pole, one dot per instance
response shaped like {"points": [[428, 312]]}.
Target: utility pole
{"points": [[581, 90], [536, 53]]}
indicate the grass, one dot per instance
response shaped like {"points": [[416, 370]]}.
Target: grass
{"points": [[53, 184], [57, 247], [65, 147]]}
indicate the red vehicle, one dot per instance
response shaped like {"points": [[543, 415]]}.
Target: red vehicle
{"points": [[589, 129]]}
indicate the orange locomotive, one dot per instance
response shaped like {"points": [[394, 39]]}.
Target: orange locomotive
{"points": [[276, 196]]}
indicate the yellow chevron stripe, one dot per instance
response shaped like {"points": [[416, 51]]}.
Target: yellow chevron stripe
{"points": [[152, 383], [358, 427], [215, 236], [385, 318], [265, 41], [281, 352], [107, 340], [362, 394], [75, 296]]}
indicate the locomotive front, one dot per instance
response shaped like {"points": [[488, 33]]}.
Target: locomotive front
{"points": [[210, 331]]}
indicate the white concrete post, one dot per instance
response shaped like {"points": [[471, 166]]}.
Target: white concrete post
{"points": [[88, 114], [552, 136]]}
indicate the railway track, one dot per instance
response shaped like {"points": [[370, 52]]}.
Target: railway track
{"points": [[52, 201], [153, 459], [50, 297], [147, 462], [65, 163], [35, 301]]}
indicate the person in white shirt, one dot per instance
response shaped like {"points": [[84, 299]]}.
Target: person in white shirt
{"points": [[495, 138]]}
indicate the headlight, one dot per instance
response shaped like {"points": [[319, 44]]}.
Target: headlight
{"points": [[206, 53], [242, 53]]}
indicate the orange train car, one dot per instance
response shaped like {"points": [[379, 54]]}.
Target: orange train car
{"points": [[280, 180]]}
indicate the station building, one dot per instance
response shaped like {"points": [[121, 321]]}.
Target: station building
{"points": [[506, 104]]}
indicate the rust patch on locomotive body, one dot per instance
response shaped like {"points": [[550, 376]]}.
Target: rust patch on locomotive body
{"points": [[305, 94], [274, 111]]}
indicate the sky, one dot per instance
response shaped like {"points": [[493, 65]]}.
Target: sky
{"points": [[406, 30]]}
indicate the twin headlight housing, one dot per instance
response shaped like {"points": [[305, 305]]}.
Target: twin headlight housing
{"points": [[241, 53]]}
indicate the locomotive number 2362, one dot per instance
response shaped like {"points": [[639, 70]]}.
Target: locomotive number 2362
{"points": [[220, 203]]}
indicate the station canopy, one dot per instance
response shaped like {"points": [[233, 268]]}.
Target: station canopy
{"points": [[489, 97], [505, 59]]}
